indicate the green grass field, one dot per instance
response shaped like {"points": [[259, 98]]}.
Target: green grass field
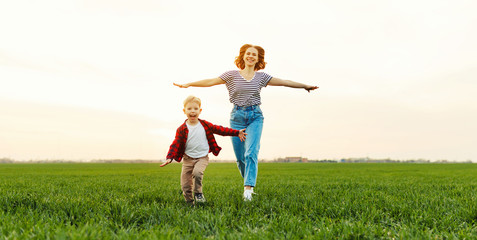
{"points": [[294, 201]]}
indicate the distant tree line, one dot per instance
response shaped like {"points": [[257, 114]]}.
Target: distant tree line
{"points": [[6, 160], [286, 159]]}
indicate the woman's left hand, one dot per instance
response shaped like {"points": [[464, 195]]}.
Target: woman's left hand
{"points": [[310, 88]]}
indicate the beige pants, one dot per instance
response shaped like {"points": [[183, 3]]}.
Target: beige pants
{"points": [[192, 175]]}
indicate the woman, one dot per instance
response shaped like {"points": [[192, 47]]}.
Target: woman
{"points": [[244, 87]]}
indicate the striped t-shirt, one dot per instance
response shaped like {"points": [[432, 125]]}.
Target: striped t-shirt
{"points": [[242, 92]]}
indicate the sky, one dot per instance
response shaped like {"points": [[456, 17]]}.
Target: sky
{"points": [[92, 79]]}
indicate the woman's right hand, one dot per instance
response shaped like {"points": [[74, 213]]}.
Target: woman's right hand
{"points": [[181, 85], [202, 83]]}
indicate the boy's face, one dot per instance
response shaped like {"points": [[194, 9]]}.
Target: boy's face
{"points": [[192, 111]]}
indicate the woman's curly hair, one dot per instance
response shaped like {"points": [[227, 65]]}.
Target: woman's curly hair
{"points": [[261, 57]]}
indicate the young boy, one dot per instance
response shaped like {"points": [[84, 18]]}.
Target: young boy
{"points": [[192, 144]]}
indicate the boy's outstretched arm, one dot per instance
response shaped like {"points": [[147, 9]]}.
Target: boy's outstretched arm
{"points": [[166, 162], [225, 131]]}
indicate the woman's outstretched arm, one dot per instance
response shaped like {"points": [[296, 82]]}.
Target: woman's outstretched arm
{"points": [[202, 83], [288, 83]]}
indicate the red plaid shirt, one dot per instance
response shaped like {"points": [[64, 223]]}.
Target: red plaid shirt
{"points": [[177, 149]]}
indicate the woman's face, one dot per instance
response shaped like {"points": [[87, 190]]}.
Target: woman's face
{"points": [[251, 56]]}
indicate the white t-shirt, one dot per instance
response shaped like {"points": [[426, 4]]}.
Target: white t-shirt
{"points": [[196, 145]]}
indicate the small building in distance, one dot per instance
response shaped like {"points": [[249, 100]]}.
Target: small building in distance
{"points": [[292, 159]]}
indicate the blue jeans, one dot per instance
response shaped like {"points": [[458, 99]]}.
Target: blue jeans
{"points": [[246, 152]]}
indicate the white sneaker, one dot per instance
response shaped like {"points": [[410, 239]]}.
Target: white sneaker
{"points": [[199, 197], [247, 194]]}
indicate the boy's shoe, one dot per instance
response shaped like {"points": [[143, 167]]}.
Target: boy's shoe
{"points": [[199, 197], [247, 194]]}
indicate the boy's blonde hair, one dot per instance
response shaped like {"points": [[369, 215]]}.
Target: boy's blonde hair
{"points": [[192, 99]]}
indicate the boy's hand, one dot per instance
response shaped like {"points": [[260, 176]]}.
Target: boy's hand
{"points": [[242, 135], [167, 162]]}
